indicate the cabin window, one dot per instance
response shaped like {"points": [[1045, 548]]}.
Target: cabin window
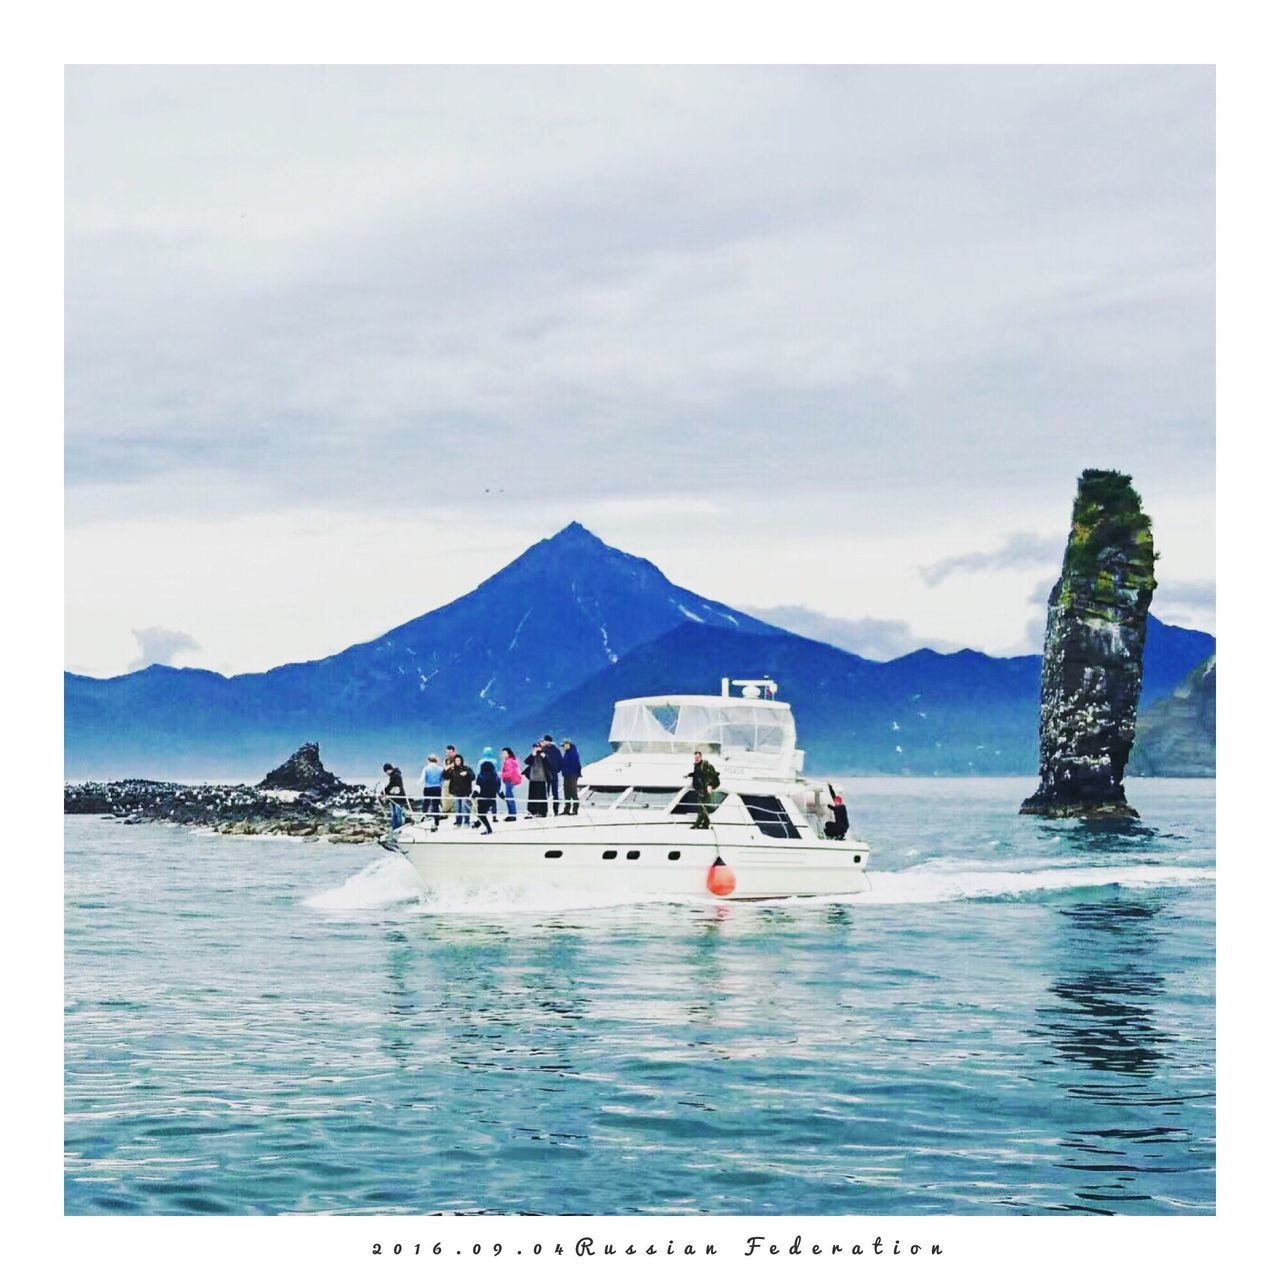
{"points": [[609, 854], [632, 854], [688, 803], [649, 798], [554, 853], [674, 855], [601, 797], [769, 815]]}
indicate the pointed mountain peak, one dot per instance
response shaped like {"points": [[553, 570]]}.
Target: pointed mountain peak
{"points": [[575, 542], [577, 535]]}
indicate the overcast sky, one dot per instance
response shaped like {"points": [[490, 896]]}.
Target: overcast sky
{"points": [[838, 339]]}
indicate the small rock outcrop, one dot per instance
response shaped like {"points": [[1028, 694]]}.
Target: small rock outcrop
{"points": [[301, 798], [349, 815], [1177, 736], [1093, 644], [303, 771]]}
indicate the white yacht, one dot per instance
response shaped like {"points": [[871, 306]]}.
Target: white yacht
{"points": [[771, 834]]}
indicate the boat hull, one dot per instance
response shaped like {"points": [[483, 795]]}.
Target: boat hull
{"points": [[628, 863]]}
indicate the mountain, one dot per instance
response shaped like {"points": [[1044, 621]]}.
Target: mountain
{"points": [[546, 645], [568, 607], [1177, 734], [1170, 653]]}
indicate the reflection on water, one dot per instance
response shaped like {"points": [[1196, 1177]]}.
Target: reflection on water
{"points": [[1104, 1020]]}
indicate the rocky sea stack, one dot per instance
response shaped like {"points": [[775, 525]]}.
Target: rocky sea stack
{"points": [[303, 771], [1092, 672]]}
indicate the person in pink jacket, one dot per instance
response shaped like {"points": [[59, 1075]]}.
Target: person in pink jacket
{"points": [[511, 779]]}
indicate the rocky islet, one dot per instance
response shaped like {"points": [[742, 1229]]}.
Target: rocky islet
{"points": [[299, 798], [1092, 671]]}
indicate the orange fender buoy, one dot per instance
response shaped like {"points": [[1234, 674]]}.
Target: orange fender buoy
{"points": [[720, 878]]}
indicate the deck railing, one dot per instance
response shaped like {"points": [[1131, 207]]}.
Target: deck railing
{"points": [[604, 812]]}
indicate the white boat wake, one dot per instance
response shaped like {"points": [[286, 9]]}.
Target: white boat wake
{"points": [[925, 884], [391, 882]]}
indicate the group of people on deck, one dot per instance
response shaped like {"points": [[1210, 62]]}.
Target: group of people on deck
{"points": [[450, 787]]}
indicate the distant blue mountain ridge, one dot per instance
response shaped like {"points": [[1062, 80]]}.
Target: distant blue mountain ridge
{"points": [[548, 644]]}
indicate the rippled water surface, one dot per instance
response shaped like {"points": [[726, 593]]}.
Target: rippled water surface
{"points": [[1019, 1018]]}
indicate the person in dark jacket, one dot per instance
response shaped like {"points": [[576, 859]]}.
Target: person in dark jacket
{"points": [[705, 780], [535, 769], [838, 825], [570, 771], [488, 784], [551, 754], [393, 790], [461, 783]]}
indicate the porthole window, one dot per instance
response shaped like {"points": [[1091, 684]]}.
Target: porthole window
{"points": [[609, 854], [857, 857], [554, 853], [632, 854], [674, 855]]}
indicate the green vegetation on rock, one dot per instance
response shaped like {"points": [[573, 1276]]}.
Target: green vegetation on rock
{"points": [[1108, 513]]}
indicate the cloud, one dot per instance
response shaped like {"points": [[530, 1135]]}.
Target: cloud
{"points": [[877, 638], [265, 298], [894, 296], [1202, 595], [1019, 550], [157, 644], [1032, 637]]}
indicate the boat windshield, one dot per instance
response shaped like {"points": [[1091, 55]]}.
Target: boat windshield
{"points": [[680, 726], [648, 798], [601, 797]]}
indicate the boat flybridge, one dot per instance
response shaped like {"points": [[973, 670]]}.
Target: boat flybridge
{"points": [[771, 834]]}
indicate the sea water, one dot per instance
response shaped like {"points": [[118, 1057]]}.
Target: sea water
{"points": [[1018, 1018]]}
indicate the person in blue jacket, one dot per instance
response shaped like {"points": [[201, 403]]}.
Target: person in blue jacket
{"points": [[432, 786], [570, 771], [552, 759]]}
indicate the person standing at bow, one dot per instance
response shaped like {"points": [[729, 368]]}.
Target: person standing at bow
{"points": [[551, 754], [535, 769], [511, 779], [570, 771], [432, 785], [487, 785], [461, 782], [393, 790], [450, 759]]}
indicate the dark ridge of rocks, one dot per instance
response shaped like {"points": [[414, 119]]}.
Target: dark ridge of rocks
{"points": [[1177, 736], [1092, 673], [350, 814], [303, 771]]}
